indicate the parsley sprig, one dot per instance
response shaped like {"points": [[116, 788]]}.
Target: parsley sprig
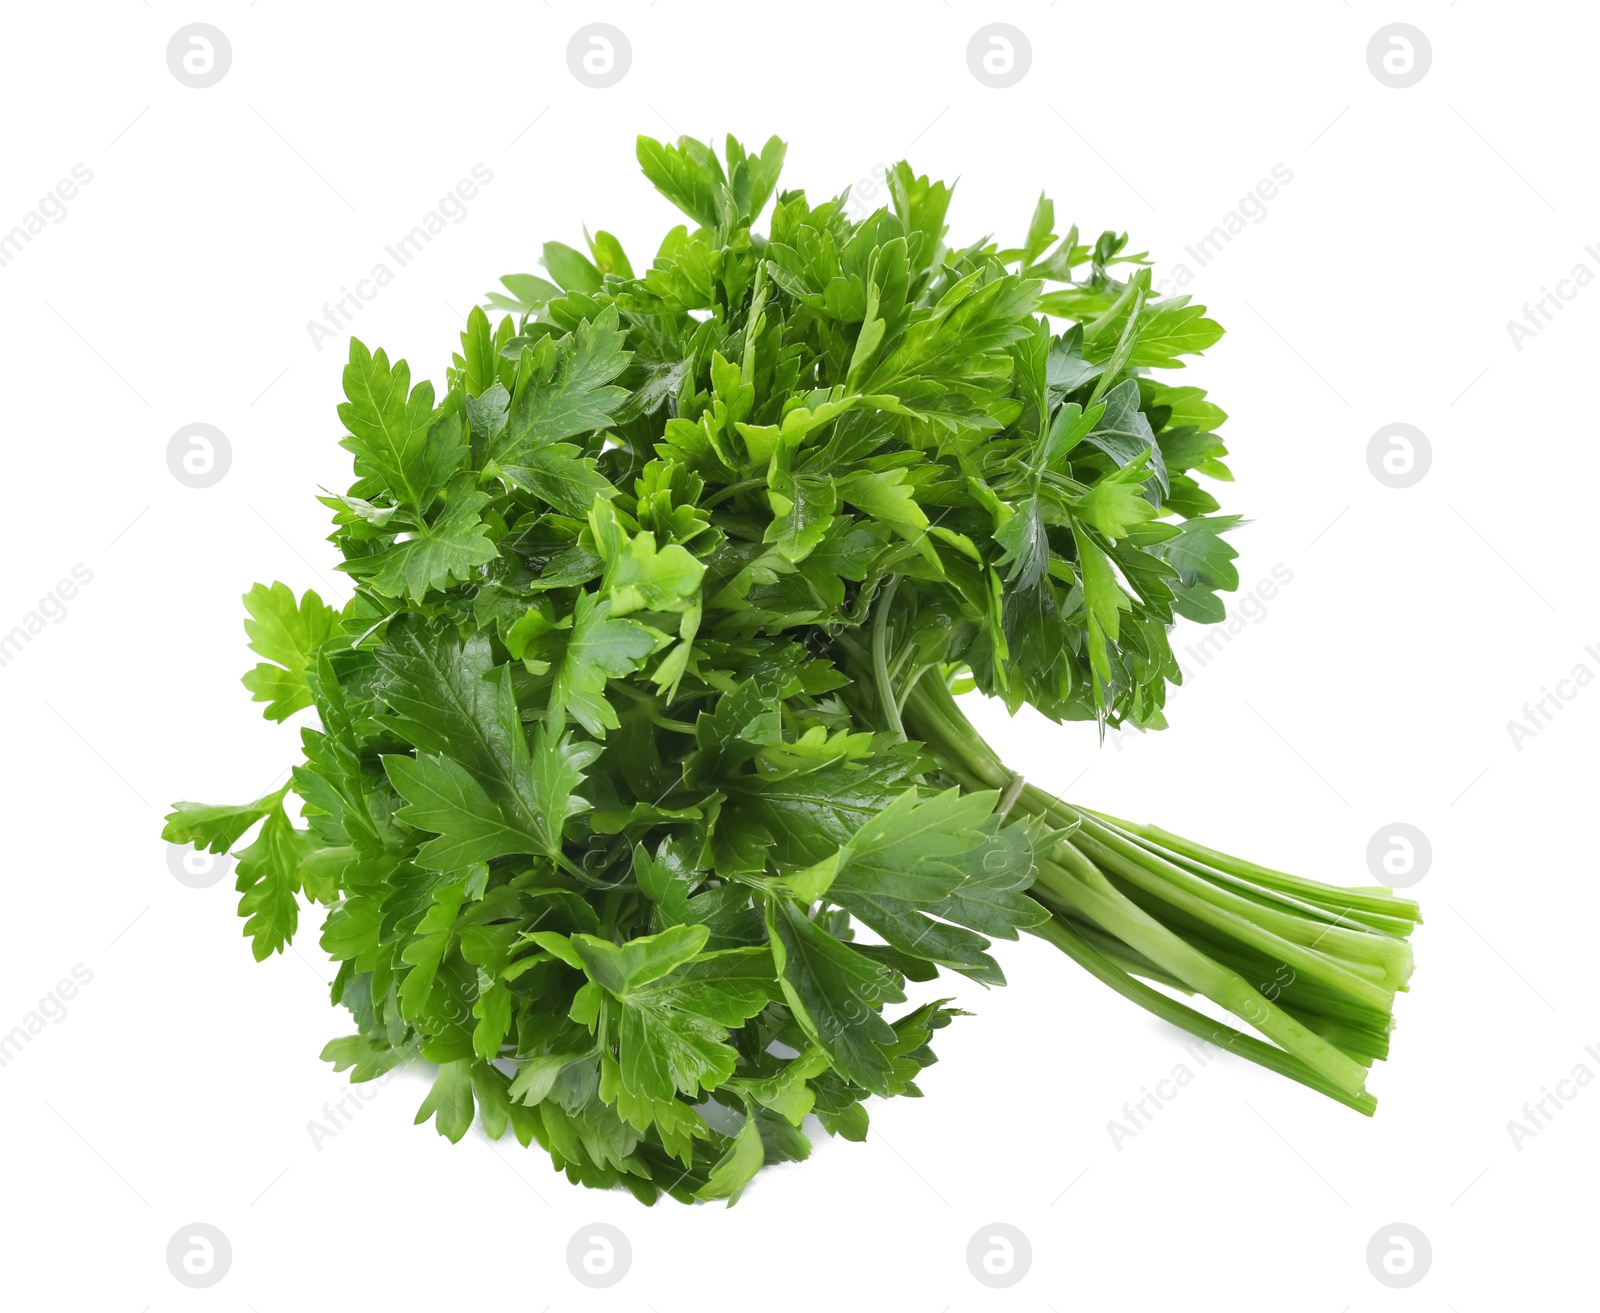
{"points": [[639, 795]]}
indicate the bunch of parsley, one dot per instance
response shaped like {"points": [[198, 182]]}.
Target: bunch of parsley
{"points": [[639, 792]]}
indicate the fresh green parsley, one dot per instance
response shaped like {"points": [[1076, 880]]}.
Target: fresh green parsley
{"points": [[639, 796]]}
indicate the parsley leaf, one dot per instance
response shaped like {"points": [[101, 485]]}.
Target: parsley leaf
{"points": [[395, 432], [288, 634]]}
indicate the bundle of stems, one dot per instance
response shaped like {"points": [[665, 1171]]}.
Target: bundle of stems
{"points": [[1312, 968]]}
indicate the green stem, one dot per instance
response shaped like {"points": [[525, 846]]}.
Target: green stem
{"points": [[888, 704], [1075, 879], [1378, 900], [1186, 1018], [1278, 934], [732, 490], [1311, 967]]}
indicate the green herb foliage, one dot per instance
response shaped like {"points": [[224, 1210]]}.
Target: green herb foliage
{"points": [[638, 786]]}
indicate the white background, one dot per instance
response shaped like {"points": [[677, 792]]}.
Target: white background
{"points": [[1376, 687]]}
